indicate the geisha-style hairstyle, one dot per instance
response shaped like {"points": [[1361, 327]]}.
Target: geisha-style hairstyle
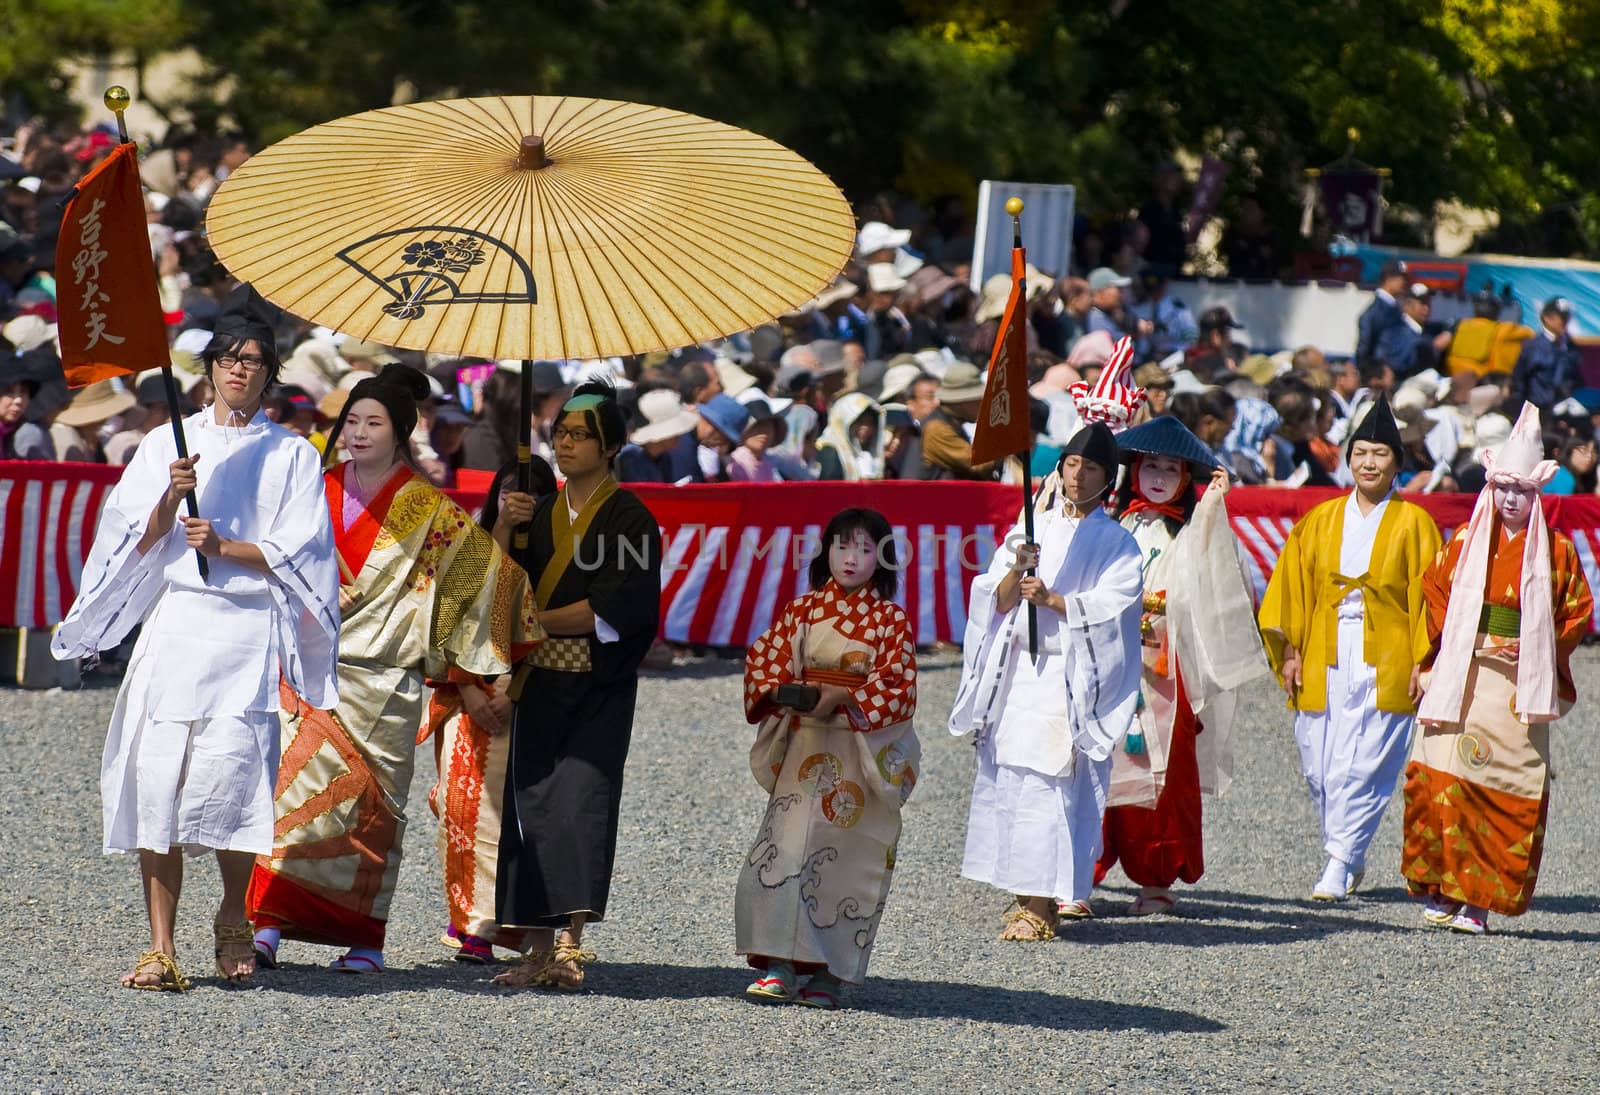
{"points": [[845, 524]]}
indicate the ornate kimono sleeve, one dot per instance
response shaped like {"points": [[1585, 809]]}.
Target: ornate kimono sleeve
{"points": [[1572, 599], [770, 662], [889, 695], [1435, 585], [119, 585], [484, 618]]}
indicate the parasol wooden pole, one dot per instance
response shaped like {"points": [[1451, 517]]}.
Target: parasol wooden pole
{"points": [[117, 100], [530, 157], [524, 448]]}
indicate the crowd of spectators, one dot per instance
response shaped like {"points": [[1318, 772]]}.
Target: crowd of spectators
{"points": [[879, 377]]}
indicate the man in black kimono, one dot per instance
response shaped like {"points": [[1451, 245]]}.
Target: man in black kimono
{"points": [[594, 555]]}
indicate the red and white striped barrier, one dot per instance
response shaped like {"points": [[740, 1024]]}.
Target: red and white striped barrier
{"points": [[733, 554]]}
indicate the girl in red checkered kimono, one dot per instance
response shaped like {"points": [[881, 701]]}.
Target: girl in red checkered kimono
{"points": [[837, 762]]}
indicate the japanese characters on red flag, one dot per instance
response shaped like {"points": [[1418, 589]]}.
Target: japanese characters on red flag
{"points": [[1003, 428], [109, 309]]}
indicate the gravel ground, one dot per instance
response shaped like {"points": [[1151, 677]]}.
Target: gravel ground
{"points": [[1248, 986]]}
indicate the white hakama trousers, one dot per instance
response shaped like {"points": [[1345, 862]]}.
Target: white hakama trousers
{"points": [[197, 785], [1036, 835], [1352, 753]]}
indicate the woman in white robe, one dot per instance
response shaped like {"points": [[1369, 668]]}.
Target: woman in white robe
{"points": [[191, 755], [1046, 726]]}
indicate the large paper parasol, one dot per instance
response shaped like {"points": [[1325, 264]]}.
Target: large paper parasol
{"points": [[536, 227]]}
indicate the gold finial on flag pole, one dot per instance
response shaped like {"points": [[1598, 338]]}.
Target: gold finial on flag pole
{"points": [[1013, 205], [117, 100]]}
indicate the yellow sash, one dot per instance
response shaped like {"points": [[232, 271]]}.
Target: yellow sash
{"points": [[565, 534]]}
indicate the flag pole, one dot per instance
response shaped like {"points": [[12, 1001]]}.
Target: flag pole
{"points": [[1014, 207], [117, 100]]}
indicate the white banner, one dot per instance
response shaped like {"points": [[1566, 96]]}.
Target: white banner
{"points": [[1046, 228]]}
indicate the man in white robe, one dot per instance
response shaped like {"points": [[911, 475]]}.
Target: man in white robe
{"points": [[191, 757], [1046, 726]]}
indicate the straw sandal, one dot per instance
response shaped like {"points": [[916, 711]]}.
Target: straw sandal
{"points": [[234, 935], [172, 978], [528, 973], [565, 971], [1025, 926]]}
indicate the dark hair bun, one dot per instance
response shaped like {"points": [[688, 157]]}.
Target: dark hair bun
{"points": [[406, 379]]}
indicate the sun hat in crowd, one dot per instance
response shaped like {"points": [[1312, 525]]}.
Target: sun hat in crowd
{"points": [[1093, 348], [931, 283], [997, 291], [962, 383], [1152, 375], [1260, 368], [332, 404], [883, 278], [96, 403], [777, 404], [734, 379], [897, 380], [876, 236], [842, 290], [193, 341], [28, 333], [792, 379], [1492, 430], [665, 417], [992, 301], [1103, 277], [829, 353], [727, 414], [354, 350], [1185, 382]]}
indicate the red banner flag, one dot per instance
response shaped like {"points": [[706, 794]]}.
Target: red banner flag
{"points": [[1002, 427], [108, 306]]}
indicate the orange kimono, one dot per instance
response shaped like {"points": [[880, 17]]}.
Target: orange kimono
{"points": [[1477, 791]]}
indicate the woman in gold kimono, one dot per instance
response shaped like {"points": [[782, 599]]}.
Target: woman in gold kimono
{"points": [[1507, 605], [1343, 623], [426, 592]]}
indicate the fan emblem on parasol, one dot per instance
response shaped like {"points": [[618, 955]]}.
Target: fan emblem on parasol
{"points": [[426, 271]]}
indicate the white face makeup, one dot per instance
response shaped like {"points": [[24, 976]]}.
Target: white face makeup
{"points": [[1515, 505], [853, 560], [369, 435], [1160, 478]]}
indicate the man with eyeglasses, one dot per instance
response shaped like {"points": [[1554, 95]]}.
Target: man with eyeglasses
{"points": [[594, 554], [191, 757]]}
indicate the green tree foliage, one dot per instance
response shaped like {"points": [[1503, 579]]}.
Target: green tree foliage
{"points": [[1489, 104]]}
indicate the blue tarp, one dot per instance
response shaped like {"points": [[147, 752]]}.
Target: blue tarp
{"points": [[1532, 281]]}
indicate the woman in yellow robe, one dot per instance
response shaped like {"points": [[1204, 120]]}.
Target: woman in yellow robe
{"points": [[1343, 620], [428, 594]]}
